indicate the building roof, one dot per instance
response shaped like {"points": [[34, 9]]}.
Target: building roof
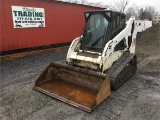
{"points": [[58, 1]]}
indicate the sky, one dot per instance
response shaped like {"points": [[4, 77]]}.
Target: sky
{"points": [[154, 3]]}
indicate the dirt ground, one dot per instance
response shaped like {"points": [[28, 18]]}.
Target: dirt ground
{"points": [[137, 99]]}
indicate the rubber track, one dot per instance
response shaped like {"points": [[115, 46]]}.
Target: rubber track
{"points": [[119, 66]]}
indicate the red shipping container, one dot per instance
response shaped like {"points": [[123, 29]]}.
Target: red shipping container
{"points": [[64, 22]]}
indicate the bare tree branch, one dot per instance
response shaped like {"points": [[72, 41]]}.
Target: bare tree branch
{"points": [[146, 12], [119, 6], [132, 11]]}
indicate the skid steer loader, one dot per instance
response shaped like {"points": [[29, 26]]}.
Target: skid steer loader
{"points": [[103, 58]]}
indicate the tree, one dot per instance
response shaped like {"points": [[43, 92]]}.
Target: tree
{"points": [[119, 6], [132, 11], [141, 14], [84, 2], [97, 4], [146, 13], [150, 12]]}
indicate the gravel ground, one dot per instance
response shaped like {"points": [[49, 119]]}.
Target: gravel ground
{"points": [[137, 99]]}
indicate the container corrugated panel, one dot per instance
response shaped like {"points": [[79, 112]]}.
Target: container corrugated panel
{"points": [[64, 22]]}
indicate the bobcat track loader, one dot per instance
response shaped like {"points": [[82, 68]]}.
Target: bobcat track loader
{"points": [[103, 58]]}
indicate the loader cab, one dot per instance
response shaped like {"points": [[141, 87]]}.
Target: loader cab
{"points": [[118, 23], [100, 27]]}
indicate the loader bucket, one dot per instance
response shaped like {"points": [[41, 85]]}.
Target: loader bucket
{"points": [[81, 88]]}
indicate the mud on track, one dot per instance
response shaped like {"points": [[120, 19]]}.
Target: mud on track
{"points": [[137, 99]]}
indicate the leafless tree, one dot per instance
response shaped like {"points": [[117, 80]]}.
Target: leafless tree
{"points": [[84, 2], [146, 12], [151, 12], [98, 4], [76, 1], [119, 5], [132, 11]]}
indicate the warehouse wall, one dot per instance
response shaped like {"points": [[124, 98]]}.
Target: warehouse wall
{"points": [[64, 22]]}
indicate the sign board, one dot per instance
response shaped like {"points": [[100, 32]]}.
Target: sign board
{"points": [[27, 17]]}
